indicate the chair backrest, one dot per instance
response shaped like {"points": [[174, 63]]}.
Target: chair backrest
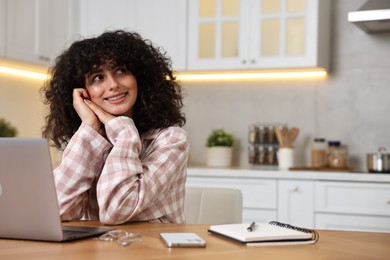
{"points": [[209, 205]]}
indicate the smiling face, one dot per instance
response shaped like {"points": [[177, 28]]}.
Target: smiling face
{"points": [[112, 88]]}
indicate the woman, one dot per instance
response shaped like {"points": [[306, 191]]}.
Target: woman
{"points": [[114, 107]]}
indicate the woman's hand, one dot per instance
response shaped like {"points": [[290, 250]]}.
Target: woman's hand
{"points": [[86, 114], [89, 112], [102, 115]]}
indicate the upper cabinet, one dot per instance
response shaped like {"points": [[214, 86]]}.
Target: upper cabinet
{"points": [[164, 22], [195, 34], [97, 16], [257, 34], [38, 30], [161, 21], [2, 28]]}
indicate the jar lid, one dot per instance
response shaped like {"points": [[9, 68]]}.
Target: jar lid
{"points": [[334, 143]]}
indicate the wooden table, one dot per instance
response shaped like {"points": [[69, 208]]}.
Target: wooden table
{"points": [[332, 245]]}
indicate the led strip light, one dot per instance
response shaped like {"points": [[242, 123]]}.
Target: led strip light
{"points": [[252, 75], [202, 76], [23, 73]]}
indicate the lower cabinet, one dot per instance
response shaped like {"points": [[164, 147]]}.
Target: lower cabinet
{"points": [[259, 195], [296, 202], [338, 205], [352, 222], [352, 206]]}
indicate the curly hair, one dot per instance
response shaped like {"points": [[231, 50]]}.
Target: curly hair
{"points": [[159, 100]]}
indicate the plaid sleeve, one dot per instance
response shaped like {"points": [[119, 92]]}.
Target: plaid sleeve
{"points": [[81, 162], [143, 186]]}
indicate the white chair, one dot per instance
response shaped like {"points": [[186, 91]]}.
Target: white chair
{"points": [[209, 205]]}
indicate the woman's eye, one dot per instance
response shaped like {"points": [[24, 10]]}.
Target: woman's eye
{"points": [[97, 78]]}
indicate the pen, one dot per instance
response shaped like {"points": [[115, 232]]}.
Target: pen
{"points": [[251, 227]]}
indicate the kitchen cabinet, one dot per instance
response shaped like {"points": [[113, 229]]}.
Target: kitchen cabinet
{"points": [[257, 34], [2, 28], [38, 30], [162, 22], [296, 202], [343, 201], [368, 203], [259, 196], [97, 16]]}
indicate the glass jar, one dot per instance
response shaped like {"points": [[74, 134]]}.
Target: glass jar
{"points": [[271, 156], [252, 134], [261, 134], [271, 136], [319, 153], [337, 155], [252, 154], [261, 153]]}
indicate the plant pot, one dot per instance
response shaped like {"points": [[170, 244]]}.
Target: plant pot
{"points": [[219, 156]]}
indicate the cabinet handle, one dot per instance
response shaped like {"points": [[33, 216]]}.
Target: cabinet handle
{"points": [[243, 61], [253, 61], [295, 188]]}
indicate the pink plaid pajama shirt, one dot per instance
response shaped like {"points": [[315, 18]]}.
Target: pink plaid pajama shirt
{"points": [[123, 177]]}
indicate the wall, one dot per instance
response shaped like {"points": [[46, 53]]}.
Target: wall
{"points": [[351, 105], [21, 105]]}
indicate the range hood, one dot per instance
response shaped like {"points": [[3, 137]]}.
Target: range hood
{"points": [[372, 17]]}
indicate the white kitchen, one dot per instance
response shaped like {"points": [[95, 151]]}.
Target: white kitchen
{"points": [[343, 96]]}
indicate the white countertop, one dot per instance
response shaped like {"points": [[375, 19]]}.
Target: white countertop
{"points": [[285, 174]]}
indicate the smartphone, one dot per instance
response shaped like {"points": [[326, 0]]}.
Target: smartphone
{"points": [[182, 240]]}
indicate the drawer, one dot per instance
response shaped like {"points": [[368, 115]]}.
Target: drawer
{"points": [[352, 222], [256, 193], [353, 198]]}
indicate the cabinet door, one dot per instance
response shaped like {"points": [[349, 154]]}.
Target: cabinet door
{"points": [[63, 28], [259, 196], [258, 34], [164, 23], [2, 27], [280, 29], [24, 26], [256, 193], [97, 16], [37, 30], [352, 222], [296, 203], [215, 28], [353, 198], [285, 33]]}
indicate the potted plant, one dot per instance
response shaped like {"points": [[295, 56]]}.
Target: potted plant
{"points": [[6, 129], [219, 148]]}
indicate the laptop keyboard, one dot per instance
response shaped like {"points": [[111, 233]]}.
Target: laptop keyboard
{"points": [[73, 232]]}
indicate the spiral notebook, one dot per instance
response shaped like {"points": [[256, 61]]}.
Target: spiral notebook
{"points": [[272, 233]]}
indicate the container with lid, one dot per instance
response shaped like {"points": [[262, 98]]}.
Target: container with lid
{"points": [[252, 154], [337, 155], [319, 153], [379, 162], [252, 134]]}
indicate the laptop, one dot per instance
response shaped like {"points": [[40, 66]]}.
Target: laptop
{"points": [[28, 199]]}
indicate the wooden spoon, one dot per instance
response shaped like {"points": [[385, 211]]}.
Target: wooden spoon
{"points": [[292, 136], [279, 136], [285, 137]]}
